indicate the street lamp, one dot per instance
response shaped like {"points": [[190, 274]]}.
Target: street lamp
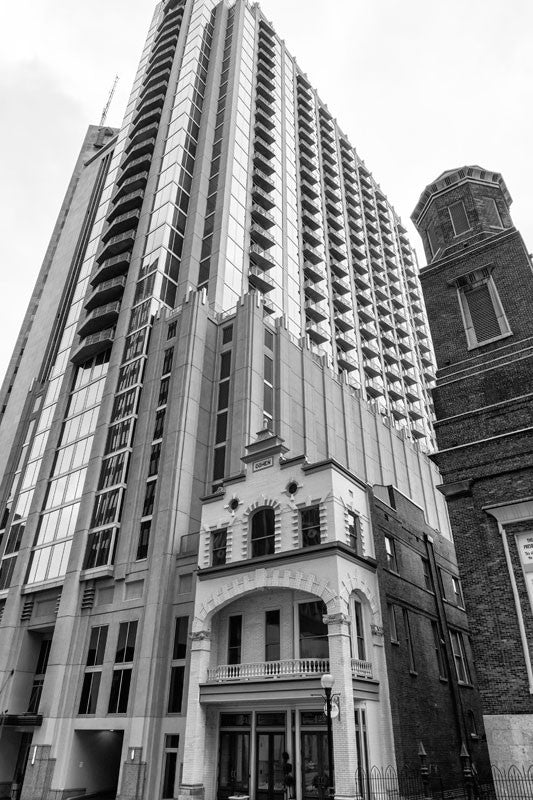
{"points": [[327, 682]]}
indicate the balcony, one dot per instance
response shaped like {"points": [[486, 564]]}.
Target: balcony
{"points": [[163, 65], [311, 236], [417, 431], [344, 322], [311, 190], [116, 245], [314, 291], [92, 345], [125, 203], [398, 410], [261, 258], [132, 185], [312, 254], [370, 349], [264, 119], [311, 220], [154, 76], [111, 267], [316, 332], [290, 668], [262, 198], [313, 271], [342, 303], [260, 279], [106, 291], [265, 102], [346, 361], [311, 205], [100, 318], [344, 340], [306, 135], [364, 296], [372, 367], [263, 147], [263, 164], [124, 222], [339, 268], [266, 76], [336, 224], [144, 120], [374, 387], [161, 51], [140, 149], [261, 237], [264, 132], [265, 218], [340, 285], [263, 180], [315, 311], [265, 56]]}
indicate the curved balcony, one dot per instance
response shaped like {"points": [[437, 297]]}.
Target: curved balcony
{"points": [[116, 245], [92, 345], [147, 130], [140, 149], [100, 318], [111, 267], [126, 203], [105, 292], [131, 185], [138, 165], [154, 76], [122, 223]]}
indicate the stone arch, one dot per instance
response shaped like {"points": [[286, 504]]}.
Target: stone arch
{"points": [[354, 584], [261, 580]]}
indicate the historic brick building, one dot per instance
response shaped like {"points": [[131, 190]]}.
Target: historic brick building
{"points": [[478, 288]]}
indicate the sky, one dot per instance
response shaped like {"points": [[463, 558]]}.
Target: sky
{"points": [[418, 86]]}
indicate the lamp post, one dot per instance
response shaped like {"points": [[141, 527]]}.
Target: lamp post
{"points": [[327, 682]]}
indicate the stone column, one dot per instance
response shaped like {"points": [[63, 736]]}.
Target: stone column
{"points": [[344, 746], [38, 778], [192, 782]]}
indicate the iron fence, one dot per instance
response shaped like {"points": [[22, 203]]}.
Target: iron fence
{"points": [[389, 783]]}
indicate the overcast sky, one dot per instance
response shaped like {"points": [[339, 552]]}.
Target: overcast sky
{"points": [[419, 86]]}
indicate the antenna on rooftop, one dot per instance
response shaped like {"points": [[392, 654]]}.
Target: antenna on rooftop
{"points": [[106, 107]]}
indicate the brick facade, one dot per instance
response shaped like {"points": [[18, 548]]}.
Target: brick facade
{"points": [[485, 437]]}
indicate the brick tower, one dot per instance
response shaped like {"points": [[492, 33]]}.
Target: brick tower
{"points": [[478, 288]]}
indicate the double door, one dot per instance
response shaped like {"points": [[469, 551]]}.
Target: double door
{"points": [[234, 765]]}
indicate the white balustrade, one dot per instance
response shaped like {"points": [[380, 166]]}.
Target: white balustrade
{"points": [[290, 668]]}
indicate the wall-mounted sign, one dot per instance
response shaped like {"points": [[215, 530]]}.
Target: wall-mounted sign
{"points": [[524, 542], [263, 464]]}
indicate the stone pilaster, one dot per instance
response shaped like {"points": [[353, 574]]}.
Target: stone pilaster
{"points": [[39, 773], [344, 743], [133, 780], [192, 782]]}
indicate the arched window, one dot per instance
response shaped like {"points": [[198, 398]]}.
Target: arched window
{"points": [[263, 532]]}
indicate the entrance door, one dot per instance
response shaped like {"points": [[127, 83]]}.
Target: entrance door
{"points": [[270, 775], [315, 765], [234, 764]]}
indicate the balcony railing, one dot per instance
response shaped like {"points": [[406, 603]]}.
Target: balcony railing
{"points": [[290, 668]]}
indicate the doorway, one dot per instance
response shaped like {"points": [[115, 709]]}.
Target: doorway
{"points": [[234, 764], [315, 765], [270, 783]]}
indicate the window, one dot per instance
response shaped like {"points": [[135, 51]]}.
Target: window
{"points": [[459, 218], [409, 641], [120, 684], [234, 639], [310, 524], [471, 724], [390, 553], [170, 762], [268, 391], [392, 624], [483, 315], [175, 694], [218, 547], [313, 630], [38, 678], [227, 334], [155, 455], [272, 635], [159, 424], [354, 532], [457, 592], [432, 239], [428, 583], [171, 330], [180, 638], [439, 650], [459, 656], [358, 631], [262, 533], [144, 539], [167, 361], [93, 671], [177, 670], [99, 551], [492, 213], [149, 497]]}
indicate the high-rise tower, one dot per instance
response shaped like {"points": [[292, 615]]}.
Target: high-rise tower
{"points": [[478, 287], [225, 350]]}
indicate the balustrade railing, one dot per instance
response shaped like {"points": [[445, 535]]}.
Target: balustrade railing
{"points": [[289, 668]]}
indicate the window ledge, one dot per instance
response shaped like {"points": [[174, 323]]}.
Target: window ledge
{"points": [[489, 341]]}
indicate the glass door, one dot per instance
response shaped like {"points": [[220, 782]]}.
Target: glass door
{"points": [[270, 784], [315, 771], [234, 764]]}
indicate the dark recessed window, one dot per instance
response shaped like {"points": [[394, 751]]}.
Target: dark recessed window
{"points": [[310, 525], [262, 532]]}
